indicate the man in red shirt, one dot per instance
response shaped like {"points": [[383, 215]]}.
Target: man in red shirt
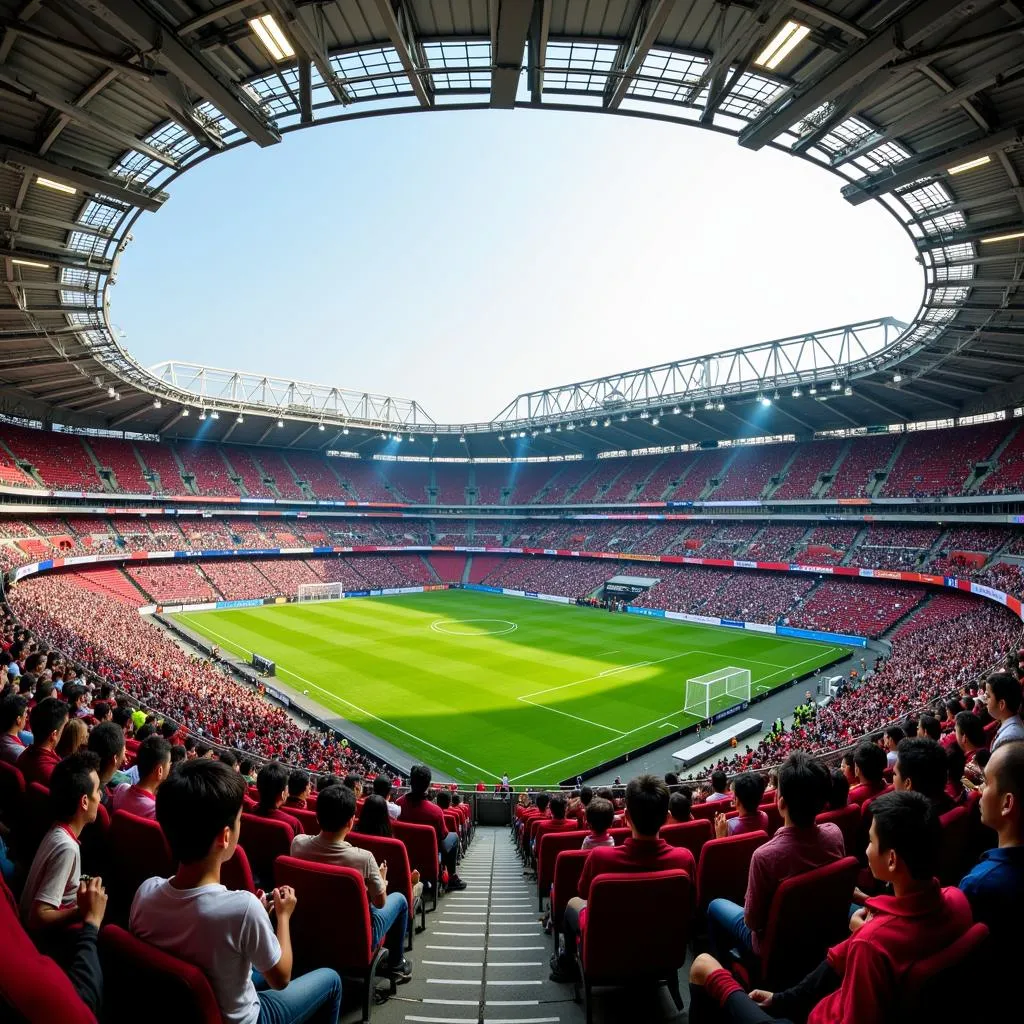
{"points": [[869, 763], [272, 782], [417, 809], [558, 822], [861, 978], [47, 720], [646, 808]]}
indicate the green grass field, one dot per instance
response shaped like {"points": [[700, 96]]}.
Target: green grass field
{"points": [[478, 684]]}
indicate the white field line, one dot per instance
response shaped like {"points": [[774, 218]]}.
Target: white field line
{"points": [[590, 679], [369, 714], [622, 668], [567, 714]]}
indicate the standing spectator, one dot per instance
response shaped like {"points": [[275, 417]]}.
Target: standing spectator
{"points": [[418, 810], [38, 761], [1002, 699], [890, 742], [153, 761], [13, 720]]}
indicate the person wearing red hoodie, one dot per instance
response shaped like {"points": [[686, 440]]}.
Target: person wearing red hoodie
{"points": [[861, 978]]}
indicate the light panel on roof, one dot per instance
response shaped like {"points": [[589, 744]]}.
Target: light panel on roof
{"points": [[1003, 238], [969, 165], [272, 37], [57, 186], [35, 264], [782, 45]]}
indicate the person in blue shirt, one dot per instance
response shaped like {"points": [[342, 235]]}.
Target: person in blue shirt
{"points": [[995, 886]]}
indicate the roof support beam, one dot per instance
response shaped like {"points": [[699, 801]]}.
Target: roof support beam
{"points": [[923, 20], [537, 47], [298, 437], [401, 31], [133, 23], [510, 27], [220, 11], [861, 396], [929, 398], [81, 387], [305, 90], [127, 417], [171, 420], [57, 258], [650, 17], [64, 225], [311, 44]]}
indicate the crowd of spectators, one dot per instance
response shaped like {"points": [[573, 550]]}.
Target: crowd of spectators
{"points": [[865, 608]]}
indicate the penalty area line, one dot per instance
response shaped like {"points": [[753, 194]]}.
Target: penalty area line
{"points": [[568, 714]]}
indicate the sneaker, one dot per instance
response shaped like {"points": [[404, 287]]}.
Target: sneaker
{"points": [[401, 973], [456, 884], [563, 970]]}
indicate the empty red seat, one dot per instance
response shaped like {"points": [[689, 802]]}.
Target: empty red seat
{"points": [[421, 844], [933, 988], [724, 865], [690, 834]]}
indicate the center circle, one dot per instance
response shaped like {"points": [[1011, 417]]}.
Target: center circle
{"points": [[442, 626]]}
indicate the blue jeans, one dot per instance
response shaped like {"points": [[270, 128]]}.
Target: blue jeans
{"points": [[314, 997], [393, 920], [727, 929], [449, 853]]}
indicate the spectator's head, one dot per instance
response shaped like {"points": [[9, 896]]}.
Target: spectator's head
{"points": [[75, 790], [298, 784], [43, 691], [354, 781], [893, 735], [444, 799], [921, 767], [671, 779], [928, 728], [35, 663], [719, 781], [107, 742], [747, 790], [335, 809], [542, 801], [374, 819], [970, 733], [13, 714], [326, 781], [47, 720], [869, 762], [953, 708], [101, 711], [646, 804], [228, 757], [1002, 695], [419, 780], [272, 783], [199, 808], [149, 729], [153, 760], [73, 738], [122, 718], [839, 790], [679, 806], [178, 754], [76, 696], [203, 750], [245, 767], [168, 729], [905, 838], [558, 806], [586, 795], [803, 789], [600, 815], [381, 787], [849, 770], [1002, 798]]}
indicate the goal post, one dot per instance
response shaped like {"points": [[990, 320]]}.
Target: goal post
{"points": [[319, 592], [715, 691]]}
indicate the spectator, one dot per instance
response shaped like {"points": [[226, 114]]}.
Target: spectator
{"points": [[970, 735], [558, 822], [298, 789], [719, 787], [38, 761], [646, 807], [746, 789], [224, 756], [354, 781], [272, 782], [921, 767], [13, 720], [600, 815], [389, 913], [153, 761], [107, 742], [928, 727], [225, 933], [869, 765], [799, 846], [839, 790], [860, 978], [679, 807], [891, 741], [382, 787], [418, 810], [53, 896], [1002, 700], [375, 820]]}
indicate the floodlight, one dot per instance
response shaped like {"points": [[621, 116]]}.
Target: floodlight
{"points": [[607, 421], [57, 186], [344, 430], [764, 400], [623, 417], [184, 411], [782, 45], [847, 390], [643, 414], [709, 405], [462, 439], [241, 418], [547, 429], [280, 423], [897, 377], [34, 264], [320, 426], [570, 426], [202, 414], [969, 165], [813, 389], [797, 393], [720, 405], [501, 437], [215, 415], [273, 39], [593, 423], [1003, 238], [434, 439], [655, 421], [836, 386], [383, 436], [157, 403]]}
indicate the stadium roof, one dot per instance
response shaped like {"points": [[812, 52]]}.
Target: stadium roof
{"points": [[916, 105]]}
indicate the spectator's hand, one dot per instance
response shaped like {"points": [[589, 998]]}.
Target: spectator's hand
{"points": [[703, 967], [860, 919], [721, 826], [415, 876], [284, 901], [762, 998], [859, 895], [92, 901]]}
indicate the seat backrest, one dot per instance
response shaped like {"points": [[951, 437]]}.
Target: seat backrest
{"points": [[848, 819], [932, 983], [724, 865], [707, 811], [181, 991], [651, 908], [236, 873], [264, 840], [568, 869], [38, 816], [421, 843], [689, 834], [12, 794], [452, 821], [620, 835], [550, 846], [956, 837], [306, 818], [138, 850], [775, 821], [331, 923], [809, 913], [392, 851]]}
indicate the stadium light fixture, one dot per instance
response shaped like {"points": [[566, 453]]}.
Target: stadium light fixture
{"points": [[782, 45], [969, 165], [644, 414], [797, 393], [623, 418], [280, 423], [272, 37], [501, 437], [676, 410], [57, 186], [34, 264], [765, 400], [434, 439], [607, 421], [214, 415], [775, 397], [241, 418], [690, 413], [184, 410], [157, 403], [202, 414], [593, 423], [655, 421], [836, 386], [383, 436], [570, 426], [558, 428], [117, 396], [320, 426], [462, 439], [847, 391], [897, 377], [547, 429], [813, 389], [1003, 238], [720, 405], [111, 392], [344, 430]]}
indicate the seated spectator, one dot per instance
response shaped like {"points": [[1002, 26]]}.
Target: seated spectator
{"points": [[73, 738], [799, 846], [272, 782], [746, 796], [13, 722], [375, 820], [1002, 700], [679, 808], [389, 913], [890, 742], [646, 807], [995, 886], [600, 815], [153, 761], [955, 767], [225, 933], [719, 787], [299, 789], [106, 741], [839, 790], [354, 781], [849, 770], [869, 763], [53, 895], [558, 822], [417, 809], [928, 728], [224, 756], [970, 735], [921, 767], [382, 787], [38, 761], [77, 698], [861, 977]]}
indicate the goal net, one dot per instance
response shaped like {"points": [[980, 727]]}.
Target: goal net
{"points": [[715, 691], [320, 591]]}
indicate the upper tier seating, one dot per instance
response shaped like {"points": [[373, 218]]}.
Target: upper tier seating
{"points": [[273, 463], [750, 472], [120, 458], [452, 481], [206, 464], [318, 474], [365, 481], [812, 459], [60, 459], [940, 462], [490, 481], [866, 454], [706, 466], [160, 460], [632, 473], [854, 606], [566, 479], [172, 583], [596, 485], [671, 468], [242, 461], [1008, 476]]}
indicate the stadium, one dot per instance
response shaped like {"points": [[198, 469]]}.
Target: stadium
{"points": [[784, 577]]}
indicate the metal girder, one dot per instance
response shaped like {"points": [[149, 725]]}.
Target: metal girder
{"points": [[537, 45], [864, 397], [510, 27], [650, 17], [84, 386], [88, 180], [821, 14], [400, 26], [56, 256], [129, 20], [966, 235], [928, 398], [923, 20], [66, 225], [127, 417], [305, 90], [310, 42], [220, 11], [34, 358], [298, 437], [929, 163]]}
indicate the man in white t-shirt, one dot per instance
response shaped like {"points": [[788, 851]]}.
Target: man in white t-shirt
{"points": [[382, 787], [227, 935]]}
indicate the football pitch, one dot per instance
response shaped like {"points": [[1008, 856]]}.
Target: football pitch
{"points": [[479, 684]]}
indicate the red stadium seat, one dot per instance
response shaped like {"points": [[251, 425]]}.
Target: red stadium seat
{"points": [[568, 869], [933, 988], [708, 811], [306, 818], [236, 873], [775, 821], [12, 795], [264, 840], [956, 840], [724, 865], [138, 850], [550, 846], [620, 835], [393, 851], [848, 819], [421, 844], [634, 906], [689, 834], [327, 895]]}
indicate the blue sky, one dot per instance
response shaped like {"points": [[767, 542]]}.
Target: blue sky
{"points": [[460, 258]]}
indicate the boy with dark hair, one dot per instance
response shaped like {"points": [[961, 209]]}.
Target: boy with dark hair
{"points": [[869, 762], [746, 796], [921, 767], [153, 761], [106, 741], [928, 728], [13, 721], [799, 846], [382, 787], [600, 815], [228, 757], [389, 912], [417, 809], [839, 790], [719, 786], [38, 761], [1003, 700], [298, 789], [679, 808], [354, 781], [893, 735], [970, 734], [861, 978], [272, 782], [644, 850]]}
